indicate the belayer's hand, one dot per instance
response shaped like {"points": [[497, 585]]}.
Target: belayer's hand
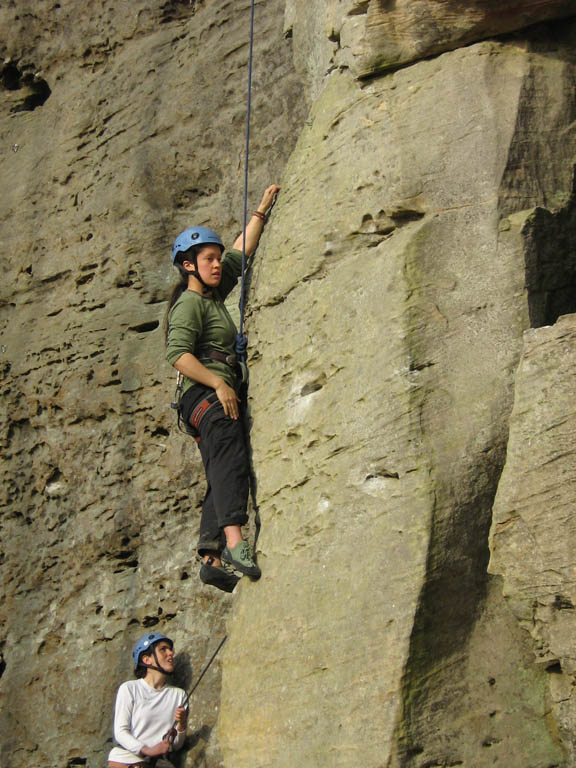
{"points": [[181, 718], [162, 748], [229, 399]]}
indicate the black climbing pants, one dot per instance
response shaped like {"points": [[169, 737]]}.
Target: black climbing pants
{"points": [[225, 457]]}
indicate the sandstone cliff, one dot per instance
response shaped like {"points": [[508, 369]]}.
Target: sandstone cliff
{"points": [[403, 382]]}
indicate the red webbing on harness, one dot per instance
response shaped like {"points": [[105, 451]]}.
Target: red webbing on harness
{"points": [[199, 412]]}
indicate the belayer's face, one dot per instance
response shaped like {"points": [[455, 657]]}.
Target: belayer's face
{"points": [[164, 654], [209, 262]]}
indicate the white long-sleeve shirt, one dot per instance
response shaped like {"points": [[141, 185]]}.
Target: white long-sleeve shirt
{"points": [[141, 718]]}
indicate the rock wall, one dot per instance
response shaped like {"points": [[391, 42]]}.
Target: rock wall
{"points": [[425, 223], [141, 135], [533, 527], [407, 270]]}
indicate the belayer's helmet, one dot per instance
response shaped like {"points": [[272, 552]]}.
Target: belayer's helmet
{"points": [[145, 644], [195, 236]]}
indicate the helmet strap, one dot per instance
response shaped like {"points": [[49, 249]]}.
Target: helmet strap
{"points": [[156, 668], [196, 274]]}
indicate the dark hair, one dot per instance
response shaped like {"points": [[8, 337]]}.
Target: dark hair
{"points": [[141, 668], [179, 288]]}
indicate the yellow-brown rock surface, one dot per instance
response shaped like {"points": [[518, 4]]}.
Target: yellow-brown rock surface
{"points": [[142, 134], [533, 529], [426, 223]]}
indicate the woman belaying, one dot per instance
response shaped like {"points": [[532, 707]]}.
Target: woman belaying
{"points": [[147, 708], [200, 337]]}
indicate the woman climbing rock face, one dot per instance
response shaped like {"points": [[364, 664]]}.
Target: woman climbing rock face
{"points": [[200, 338]]}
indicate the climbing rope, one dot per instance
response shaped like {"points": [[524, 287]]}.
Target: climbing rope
{"points": [[171, 735], [241, 340]]}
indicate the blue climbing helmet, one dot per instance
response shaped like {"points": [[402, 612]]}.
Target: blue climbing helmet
{"points": [[146, 643], [195, 236]]}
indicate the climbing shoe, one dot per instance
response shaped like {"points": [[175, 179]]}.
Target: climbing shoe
{"points": [[218, 576], [241, 560]]}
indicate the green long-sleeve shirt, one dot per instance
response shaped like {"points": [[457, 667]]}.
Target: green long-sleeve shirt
{"points": [[198, 323]]}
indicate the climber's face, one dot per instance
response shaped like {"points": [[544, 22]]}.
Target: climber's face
{"points": [[209, 262]]}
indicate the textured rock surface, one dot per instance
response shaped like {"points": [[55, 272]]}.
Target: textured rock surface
{"points": [[142, 133], [379, 447], [426, 221], [407, 30], [371, 36], [533, 530]]}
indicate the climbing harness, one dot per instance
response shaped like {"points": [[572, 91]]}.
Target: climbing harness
{"points": [[191, 427], [183, 425], [198, 414], [206, 355], [177, 392], [171, 735], [176, 403]]}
